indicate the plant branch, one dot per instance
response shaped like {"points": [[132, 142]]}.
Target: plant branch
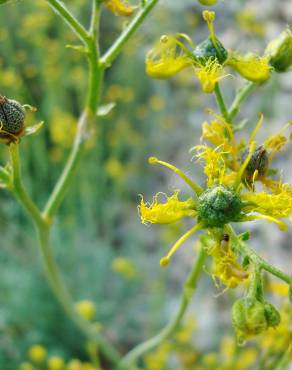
{"points": [[258, 260], [221, 103], [243, 93], [117, 46], [171, 327], [18, 188], [61, 293], [73, 23]]}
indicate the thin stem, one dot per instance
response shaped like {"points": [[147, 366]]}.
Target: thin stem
{"points": [[61, 293], [258, 260], [171, 327], [117, 46], [18, 187], [73, 23], [86, 119], [247, 89], [221, 103]]}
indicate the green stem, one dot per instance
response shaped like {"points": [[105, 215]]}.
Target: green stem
{"points": [[258, 260], [117, 46], [86, 119], [247, 89], [65, 300], [73, 23], [171, 327], [19, 189], [221, 103]]}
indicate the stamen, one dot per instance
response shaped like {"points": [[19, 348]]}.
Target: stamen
{"points": [[256, 129], [197, 188], [165, 260]]}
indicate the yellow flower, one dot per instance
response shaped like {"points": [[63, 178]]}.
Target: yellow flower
{"points": [[86, 309], [225, 265], [273, 205], [209, 74], [26, 366], [120, 7], [37, 353], [125, 267], [168, 57], [56, 363], [219, 133], [164, 213], [251, 66]]}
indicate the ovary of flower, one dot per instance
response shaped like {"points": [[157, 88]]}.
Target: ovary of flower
{"points": [[167, 58], [120, 7], [209, 74], [250, 66], [165, 213]]}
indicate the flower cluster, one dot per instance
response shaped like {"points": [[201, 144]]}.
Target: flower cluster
{"points": [[209, 59]]}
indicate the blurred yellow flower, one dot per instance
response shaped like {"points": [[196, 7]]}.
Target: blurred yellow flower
{"points": [[37, 353], [125, 267], [86, 309], [56, 363]]}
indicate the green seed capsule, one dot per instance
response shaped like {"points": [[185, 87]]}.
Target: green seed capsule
{"points": [[206, 50], [272, 315], [12, 116], [218, 206], [248, 317], [259, 162]]}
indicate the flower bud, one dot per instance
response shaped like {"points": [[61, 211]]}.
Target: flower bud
{"points": [[218, 205], [12, 115], [279, 51]]}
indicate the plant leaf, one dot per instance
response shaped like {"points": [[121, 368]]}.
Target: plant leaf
{"points": [[104, 110], [31, 130]]}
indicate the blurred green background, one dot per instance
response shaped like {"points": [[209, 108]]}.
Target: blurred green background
{"points": [[98, 221]]}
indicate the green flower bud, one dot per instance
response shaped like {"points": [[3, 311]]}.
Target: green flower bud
{"points": [[12, 116], [249, 317], [259, 161], [206, 50], [279, 51], [218, 206], [272, 315]]}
